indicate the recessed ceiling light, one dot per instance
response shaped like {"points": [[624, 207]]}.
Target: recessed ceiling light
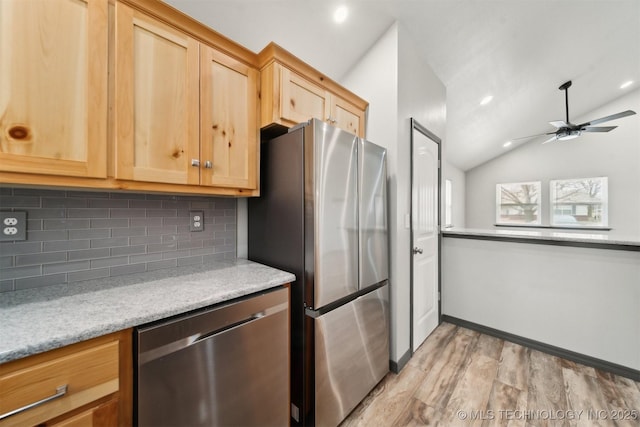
{"points": [[626, 84], [507, 144], [487, 99], [341, 13]]}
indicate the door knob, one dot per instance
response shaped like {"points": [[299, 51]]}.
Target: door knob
{"points": [[417, 250]]}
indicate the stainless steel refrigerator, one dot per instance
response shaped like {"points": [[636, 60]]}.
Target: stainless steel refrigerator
{"points": [[322, 215]]}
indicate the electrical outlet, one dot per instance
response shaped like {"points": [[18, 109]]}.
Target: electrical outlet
{"points": [[13, 226], [196, 221]]}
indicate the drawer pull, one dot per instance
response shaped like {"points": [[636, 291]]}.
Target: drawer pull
{"points": [[60, 391]]}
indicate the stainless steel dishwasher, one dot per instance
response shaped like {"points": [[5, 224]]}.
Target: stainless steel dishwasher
{"points": [[224, 366]]}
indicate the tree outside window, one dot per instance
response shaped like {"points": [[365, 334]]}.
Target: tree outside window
{"points": [[579, 202], [518, 203]]}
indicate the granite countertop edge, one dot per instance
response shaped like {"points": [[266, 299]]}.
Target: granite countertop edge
{"points": [[37, 320], [570, 236]]}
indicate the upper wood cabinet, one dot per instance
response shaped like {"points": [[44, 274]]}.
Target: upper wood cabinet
{"points": [[347, 116], [299, 99], [156, 100], [53, 87], [135, 95], [185, 112], [293, 92], [229, 117]]}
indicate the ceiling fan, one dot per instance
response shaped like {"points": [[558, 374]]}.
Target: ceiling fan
{"points": [[567, 130]]}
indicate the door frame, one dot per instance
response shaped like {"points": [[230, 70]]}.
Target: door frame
{"points": [[416, 126]]}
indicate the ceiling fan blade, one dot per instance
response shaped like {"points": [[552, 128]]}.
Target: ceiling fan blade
{"points": [[553, 138], [559, 124], [598, 129], [607, 118], [533, 136]]}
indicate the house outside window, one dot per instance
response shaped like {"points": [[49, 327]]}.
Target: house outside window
{"points": [[579, 202], [518, 203]]}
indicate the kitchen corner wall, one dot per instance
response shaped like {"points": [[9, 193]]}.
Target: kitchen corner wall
{"points": [[81, 235], [399, 85]]}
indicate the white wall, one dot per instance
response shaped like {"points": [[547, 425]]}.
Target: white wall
{"points": [[375, 78], [399, 85], [581, 299], [615, 154]]}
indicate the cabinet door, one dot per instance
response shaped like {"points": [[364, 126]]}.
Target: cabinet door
{"points": [[156, 109], [347, 116], [229, 121], [105, 414], [301, 100], [53, 87]]}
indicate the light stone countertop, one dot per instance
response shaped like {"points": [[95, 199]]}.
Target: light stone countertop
{"points": [[36, 320], [582, 237]]}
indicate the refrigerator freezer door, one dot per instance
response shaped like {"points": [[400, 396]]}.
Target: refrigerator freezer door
{"points": [[352, 355], [372, 214], [331, 197]]}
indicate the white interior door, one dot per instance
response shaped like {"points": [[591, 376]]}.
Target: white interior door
{"points": [[424, 229]]}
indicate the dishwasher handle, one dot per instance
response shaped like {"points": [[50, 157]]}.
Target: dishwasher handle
{"points": [[204, 336], [172, 347]]}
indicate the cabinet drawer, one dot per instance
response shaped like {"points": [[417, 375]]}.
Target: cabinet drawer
{"points": [[88, 374]]}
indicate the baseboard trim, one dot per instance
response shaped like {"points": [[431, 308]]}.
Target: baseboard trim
{"points": [[603, 365], [396, 367]]}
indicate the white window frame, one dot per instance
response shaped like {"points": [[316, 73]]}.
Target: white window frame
{"points": [[448, 203], [500, 221], [604, 216]]}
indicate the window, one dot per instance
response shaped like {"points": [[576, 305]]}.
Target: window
{"points": [[448, 213], [579, 202], [518, 203]]}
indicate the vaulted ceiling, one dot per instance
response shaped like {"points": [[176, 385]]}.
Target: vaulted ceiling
{"points": [[518, 51]]}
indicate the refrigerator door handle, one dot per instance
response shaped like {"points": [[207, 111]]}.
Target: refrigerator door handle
{"points": [[315, 313]]}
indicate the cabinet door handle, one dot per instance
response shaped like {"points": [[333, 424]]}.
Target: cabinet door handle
{"points": [[208, 164], [195, 162], [60, 391], [417, 250]]}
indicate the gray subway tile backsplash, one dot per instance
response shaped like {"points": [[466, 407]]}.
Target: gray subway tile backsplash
{"points": [[39, 281], [82, 235], [94, 273], [40, 258]]}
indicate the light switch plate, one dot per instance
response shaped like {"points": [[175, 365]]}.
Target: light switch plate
{"points": [[13, 226], [196, 221]]}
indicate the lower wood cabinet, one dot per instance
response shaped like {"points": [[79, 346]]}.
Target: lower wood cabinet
{"points": [[105, 414], [88, 384]]}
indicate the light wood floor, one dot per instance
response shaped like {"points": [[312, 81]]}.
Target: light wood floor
{"points": [[460, 377]]}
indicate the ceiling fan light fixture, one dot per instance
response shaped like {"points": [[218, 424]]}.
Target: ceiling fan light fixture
{"points": [[567, 130], [568, 135]]}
